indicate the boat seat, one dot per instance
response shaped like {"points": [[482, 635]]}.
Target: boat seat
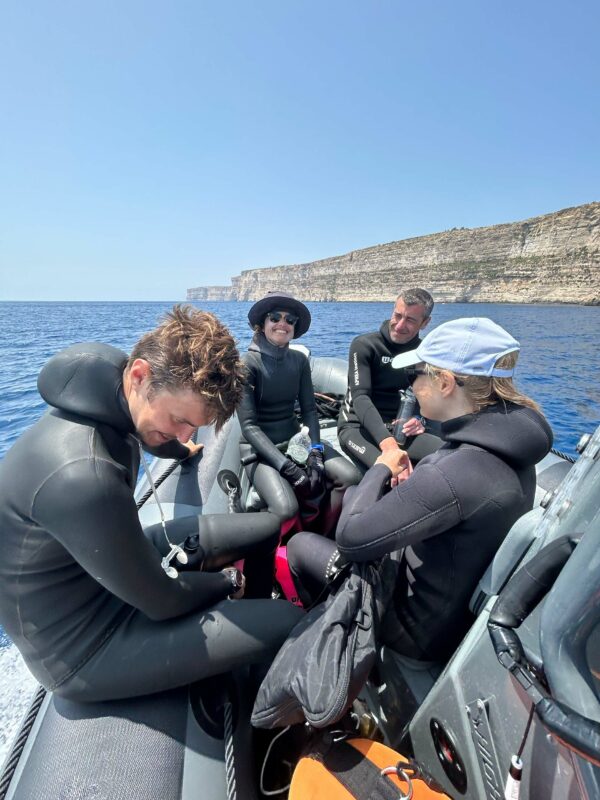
{"points": [[124, 750], [157, 746]]}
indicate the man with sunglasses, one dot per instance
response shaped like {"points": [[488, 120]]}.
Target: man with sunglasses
{"points": [[371, 403]]}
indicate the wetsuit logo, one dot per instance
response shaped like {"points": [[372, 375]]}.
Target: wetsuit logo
{"points": [[355, 364], [356, 447], [386, 359]]}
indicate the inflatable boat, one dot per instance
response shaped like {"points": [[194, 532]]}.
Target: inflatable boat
{"points": [[536, 635]]}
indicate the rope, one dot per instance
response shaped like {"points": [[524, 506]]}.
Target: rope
{"points": [[229, 754], [19, 744], [328, 406], [563, 455], [171, 468], [526, 734]]}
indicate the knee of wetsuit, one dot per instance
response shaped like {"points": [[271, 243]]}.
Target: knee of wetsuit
{"points": [[283, 502], [342, 473]]}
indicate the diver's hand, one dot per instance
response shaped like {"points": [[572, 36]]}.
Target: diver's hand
{"points": [[404, 475], [389, 444], [297, 477], [193, 448], [315, 460], [413, 427], [316, 469], [396, 461]]}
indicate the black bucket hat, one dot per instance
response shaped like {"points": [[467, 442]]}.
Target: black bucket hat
{"points": [[280, 301]]}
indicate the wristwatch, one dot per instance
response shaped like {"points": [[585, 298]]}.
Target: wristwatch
{"points": [[236, 577]]}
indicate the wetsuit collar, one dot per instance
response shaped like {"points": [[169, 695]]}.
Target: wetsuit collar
{"points": [[396, 348], [260, 344], [518, 435]]}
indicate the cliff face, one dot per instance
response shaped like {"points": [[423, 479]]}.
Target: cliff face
{"points": [[554, 258]]}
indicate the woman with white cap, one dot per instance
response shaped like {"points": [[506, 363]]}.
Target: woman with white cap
{"points": [[278, 377], [445, 521]]}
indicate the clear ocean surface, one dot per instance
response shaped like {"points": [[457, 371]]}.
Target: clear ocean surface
{"points": [[559, 362], [559, 367]]}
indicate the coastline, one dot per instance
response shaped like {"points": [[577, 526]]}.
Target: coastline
{"points": [[553, 258]]}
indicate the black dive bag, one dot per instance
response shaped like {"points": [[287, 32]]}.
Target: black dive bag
{"points": [[324, 663]]}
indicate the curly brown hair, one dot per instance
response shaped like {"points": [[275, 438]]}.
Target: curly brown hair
{"points": [[192, 349]]}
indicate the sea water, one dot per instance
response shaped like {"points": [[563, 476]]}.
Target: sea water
{"points": [[559, 367]]}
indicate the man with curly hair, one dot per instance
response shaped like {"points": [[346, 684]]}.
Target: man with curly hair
{"points": [[91, 600]]}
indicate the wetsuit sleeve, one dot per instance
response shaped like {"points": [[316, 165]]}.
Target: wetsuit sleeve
{"points": [[308, 407], [372, 525], [251, 431], [89, 508], [360, 383]]}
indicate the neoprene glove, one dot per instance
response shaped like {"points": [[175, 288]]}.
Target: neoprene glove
{"points": [[297, 477], [316, 470]]}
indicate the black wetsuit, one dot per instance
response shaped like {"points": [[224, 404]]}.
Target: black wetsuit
{"points": [[372, 397], [444, 524], [277, 378], [82, 591]]}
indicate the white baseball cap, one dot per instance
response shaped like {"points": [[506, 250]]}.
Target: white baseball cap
{"points": [[468, 346]]}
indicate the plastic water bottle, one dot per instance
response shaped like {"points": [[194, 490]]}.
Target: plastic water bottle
{"points": [[406, 410], [299, 446]]}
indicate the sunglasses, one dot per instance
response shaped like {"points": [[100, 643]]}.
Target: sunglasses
{"points": [[412, 373], [276, 316]]}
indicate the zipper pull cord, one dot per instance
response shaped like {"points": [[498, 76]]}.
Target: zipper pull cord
{"points": [[175, 550]]}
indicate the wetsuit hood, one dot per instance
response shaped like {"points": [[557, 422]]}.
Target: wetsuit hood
{"points": [[523, 442], [87, 380]]}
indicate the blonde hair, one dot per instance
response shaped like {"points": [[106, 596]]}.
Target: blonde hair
{"points": [[192, 349], [484, 391]]}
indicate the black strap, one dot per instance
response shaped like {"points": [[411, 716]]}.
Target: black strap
{"points": [[357, 774]]}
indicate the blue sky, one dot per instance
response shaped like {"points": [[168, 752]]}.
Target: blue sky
{"points": [[147, 147]]}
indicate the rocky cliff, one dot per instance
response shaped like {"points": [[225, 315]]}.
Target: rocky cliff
{"points": [[554, 258]]}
